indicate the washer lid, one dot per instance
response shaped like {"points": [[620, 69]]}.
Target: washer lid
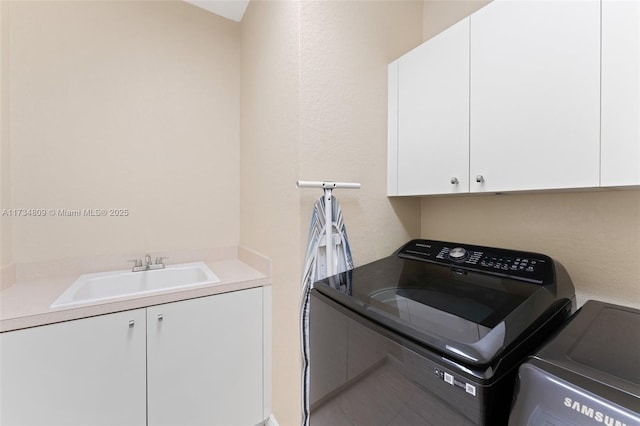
{"points": [[469, 315], [601, 343]]}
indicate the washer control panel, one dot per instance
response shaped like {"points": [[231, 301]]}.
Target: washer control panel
{"points": [[526, 266]]}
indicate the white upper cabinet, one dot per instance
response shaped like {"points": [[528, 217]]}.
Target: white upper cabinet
{"points": [[522, 95], [620, 162], [535, 95], [429, 119]]}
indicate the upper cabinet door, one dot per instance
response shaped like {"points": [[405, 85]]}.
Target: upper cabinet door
{"points": [[535, 95], [432, 110], [620, 163]]}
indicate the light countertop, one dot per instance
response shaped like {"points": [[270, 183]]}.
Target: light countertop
{"points": [[26, 303]]}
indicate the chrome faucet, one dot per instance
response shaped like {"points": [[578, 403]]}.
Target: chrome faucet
{"points": [[148, 264]]}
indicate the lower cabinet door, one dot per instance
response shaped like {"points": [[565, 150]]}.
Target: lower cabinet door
{"points": [[204, 361], [83, 372]]}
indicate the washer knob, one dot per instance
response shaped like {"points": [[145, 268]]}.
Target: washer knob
{"points": [[457, 253]]}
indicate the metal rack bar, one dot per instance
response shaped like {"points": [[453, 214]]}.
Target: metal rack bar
{"points": [[327, 184]]}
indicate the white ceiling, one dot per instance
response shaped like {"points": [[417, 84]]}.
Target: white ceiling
{"points": [[230, 9]]}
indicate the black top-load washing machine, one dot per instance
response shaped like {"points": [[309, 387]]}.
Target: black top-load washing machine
{"points": [[431, 335], [589, 374]]}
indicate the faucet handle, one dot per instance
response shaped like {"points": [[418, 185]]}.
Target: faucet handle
{"points": [[136, 262], [159, 259]]}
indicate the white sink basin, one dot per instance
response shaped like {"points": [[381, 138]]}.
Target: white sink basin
{"points": [[107, 286]]}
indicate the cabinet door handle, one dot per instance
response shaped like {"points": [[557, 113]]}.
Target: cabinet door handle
{"points": [[131, 323], [480, 179], [454, 181], [160, 317]]}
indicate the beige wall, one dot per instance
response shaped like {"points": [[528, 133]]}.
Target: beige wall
{"points": [[5, 153], [595, 235], [270, 212], [346, 47], [314, 102], [130, 105]]}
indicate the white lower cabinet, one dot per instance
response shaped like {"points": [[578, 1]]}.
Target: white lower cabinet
{"points": [[83, 372], [204, 361], [194, 362]]}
